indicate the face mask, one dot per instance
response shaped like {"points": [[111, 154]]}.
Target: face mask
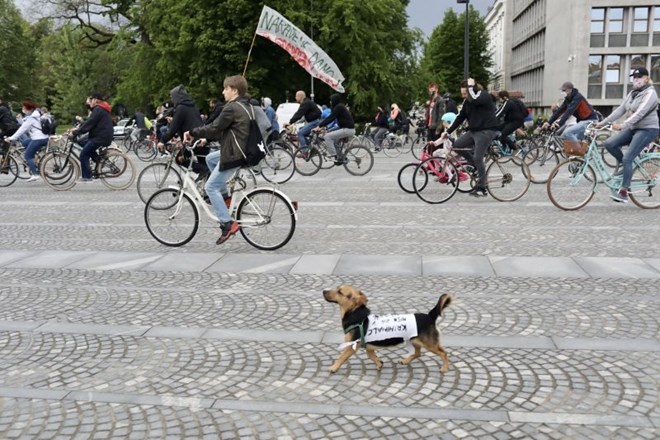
{"points": [[637, 83], [563, 94]]}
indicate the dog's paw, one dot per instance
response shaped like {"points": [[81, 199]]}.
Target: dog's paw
{"points": [[379, 365], [443, 370], [333, 369]]}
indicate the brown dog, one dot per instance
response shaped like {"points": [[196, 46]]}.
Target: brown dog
{"points": [[356, 317]]}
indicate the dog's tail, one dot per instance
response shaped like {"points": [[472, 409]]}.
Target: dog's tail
{"points": [[446, 299]]}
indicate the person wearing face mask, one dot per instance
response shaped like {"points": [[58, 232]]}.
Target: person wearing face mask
{"points": [[637, 130], [575, 104]]}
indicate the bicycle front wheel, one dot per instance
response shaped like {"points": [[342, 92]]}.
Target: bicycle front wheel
{"points": [[359, 160], [645, 184], [507, 178], [60, 171], [571, 184], [116, 170], [417, 147], [267, 219], [8, 171], [172, 218], [277, 165], [156, 176], [540, 162], [435, 180], [307, 162]]}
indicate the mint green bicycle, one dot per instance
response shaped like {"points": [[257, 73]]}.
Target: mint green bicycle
{"points": [[572, 183]]}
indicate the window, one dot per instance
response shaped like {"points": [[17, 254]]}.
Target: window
{"points": [[656, 19], [616, 20], [613, 69], [595, 69], [641, 20], [655, 68], [598, 20]]}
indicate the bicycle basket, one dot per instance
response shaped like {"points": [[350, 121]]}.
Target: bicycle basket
{"points": [[575, 148]]}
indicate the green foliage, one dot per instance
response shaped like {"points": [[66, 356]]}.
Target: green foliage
{"points": [[147, 47], [444, 52], [17, 48]]}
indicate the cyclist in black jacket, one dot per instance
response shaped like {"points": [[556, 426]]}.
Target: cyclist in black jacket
{"points": [[479, 110], [312, 114], [345, 127]]}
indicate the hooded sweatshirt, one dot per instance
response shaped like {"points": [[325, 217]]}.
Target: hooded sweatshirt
{"points": [[641, 105], [339, 112], [186, 114], [31, 126], [98, 125]]}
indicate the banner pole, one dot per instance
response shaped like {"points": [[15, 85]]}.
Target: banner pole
{"points": [[254, 37]]}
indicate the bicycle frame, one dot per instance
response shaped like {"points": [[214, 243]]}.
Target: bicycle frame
{"points": [[190, 188], [593, 159]]}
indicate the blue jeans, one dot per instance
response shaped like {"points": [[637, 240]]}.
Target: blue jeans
{"points": [[636, 141], [216, 186], [32, 147], [305, 131], [576, 132], [88, 152]]}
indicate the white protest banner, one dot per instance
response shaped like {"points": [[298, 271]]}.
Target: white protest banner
{"points": [[279, 30]]}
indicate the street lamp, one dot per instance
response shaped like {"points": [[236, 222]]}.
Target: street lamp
{"points": [[466, 51]]}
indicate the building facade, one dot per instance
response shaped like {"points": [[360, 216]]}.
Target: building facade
{"points": [[593, 43]]}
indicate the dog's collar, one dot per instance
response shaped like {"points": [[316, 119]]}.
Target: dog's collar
{"points": [[358, 326]]}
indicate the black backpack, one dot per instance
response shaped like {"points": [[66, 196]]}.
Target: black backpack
{"points": [[48, 125], [255, 147]]}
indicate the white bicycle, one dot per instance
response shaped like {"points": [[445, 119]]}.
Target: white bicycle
{"points": [[266, 216]]}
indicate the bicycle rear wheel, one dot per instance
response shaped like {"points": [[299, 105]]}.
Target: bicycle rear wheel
{"points": [[645, 184], [8, 172], [571, 184], [507, 178], [406, 176], [172, 218], [359, 160], [154, 177], [540, 162], [392, 146], [277, 165], [116, 170], [146, 150], [417, 147], [60, 171], [307, 162], [267, 219], [466, 177], [435, 180]]}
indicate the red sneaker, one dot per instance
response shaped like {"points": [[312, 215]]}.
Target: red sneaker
{"points": [[228, 229]]}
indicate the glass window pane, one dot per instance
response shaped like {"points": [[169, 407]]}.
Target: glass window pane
{"points": [[598, 14], [597, 27], [637, 61], [641, 13], [616, 26], [613, 68], [655, 68], [616, 13], [595, 69], [640, 26], [612, 76]]}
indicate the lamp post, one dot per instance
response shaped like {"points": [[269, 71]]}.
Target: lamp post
{"points": [[466, 42]]}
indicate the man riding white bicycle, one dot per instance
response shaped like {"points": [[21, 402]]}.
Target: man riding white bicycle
{"points": [[232, 129]]}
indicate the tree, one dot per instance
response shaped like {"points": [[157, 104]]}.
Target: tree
{"points": [[17, 48], [444, 53]]}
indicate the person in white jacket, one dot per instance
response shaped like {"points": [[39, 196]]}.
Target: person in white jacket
{"points": [[31, 126], [638, 129]]}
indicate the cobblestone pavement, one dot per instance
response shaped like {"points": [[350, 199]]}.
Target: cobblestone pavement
{"points": [[104, 333]]}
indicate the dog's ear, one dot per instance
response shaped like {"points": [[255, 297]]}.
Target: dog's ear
{"points": [[361, 298]]}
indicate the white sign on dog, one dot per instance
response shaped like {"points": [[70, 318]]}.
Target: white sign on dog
{"points": [[383, 327]]}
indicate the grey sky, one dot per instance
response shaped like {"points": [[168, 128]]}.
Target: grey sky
{"points": [[427, 14]]}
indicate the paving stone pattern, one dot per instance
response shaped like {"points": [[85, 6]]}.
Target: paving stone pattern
{"points": [[104, 333]]}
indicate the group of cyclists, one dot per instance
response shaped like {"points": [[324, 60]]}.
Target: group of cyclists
{"points": [[479, 119]]}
